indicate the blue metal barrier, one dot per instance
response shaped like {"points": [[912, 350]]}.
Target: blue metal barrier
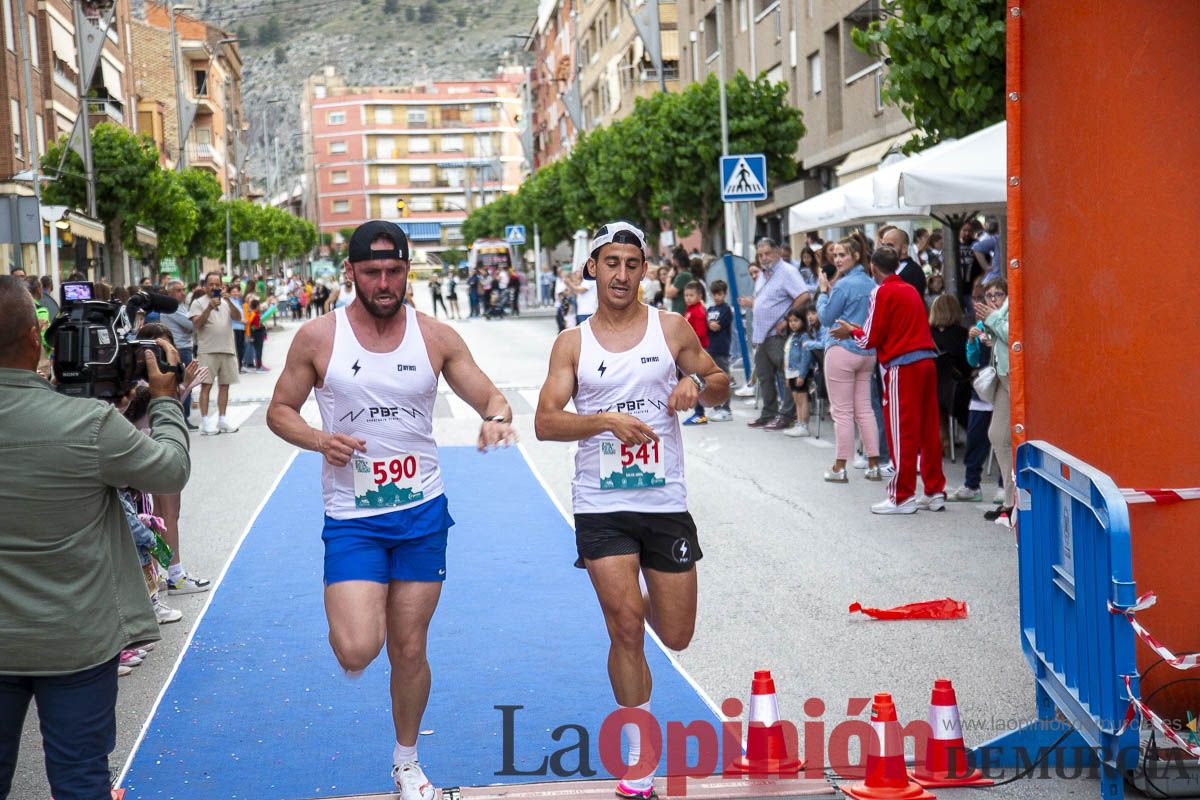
{"points": [[1074, 557]]}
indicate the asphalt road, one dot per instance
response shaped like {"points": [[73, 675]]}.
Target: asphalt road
{"points": [[785, 555]]}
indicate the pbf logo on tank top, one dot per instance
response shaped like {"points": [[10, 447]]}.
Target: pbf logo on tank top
{"points": [[381, 413]]}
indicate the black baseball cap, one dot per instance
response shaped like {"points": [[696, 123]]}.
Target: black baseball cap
{"points": [[360, 242]]}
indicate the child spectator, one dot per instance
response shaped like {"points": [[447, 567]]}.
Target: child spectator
{"points": [[897, 328], [258, 333], [798, 364], [720, 340], [697, 317]]}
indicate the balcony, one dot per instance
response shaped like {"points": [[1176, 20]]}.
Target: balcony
{"points": [[205, 156], [102, 109]]}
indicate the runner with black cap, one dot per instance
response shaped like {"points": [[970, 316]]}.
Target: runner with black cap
{"points": [[374, 366], [623, 369]]}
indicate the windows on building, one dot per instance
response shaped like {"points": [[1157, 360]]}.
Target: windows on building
{"points": [[336, 118], [339, 176], [341, 206], [385, 147], [383, 115], [200, 82], [14, 109], [386, 176], [710, 35], [452, 144], [10, 40], [418, 144], [337, 148], [33, 40], [815, 78], [417, 117], [421, 202], [420, 175], [319, 91], [483, 114]]}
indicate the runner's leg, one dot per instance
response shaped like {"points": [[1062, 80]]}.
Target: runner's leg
{"points": [[357, 612], [615, 579], [671, 607], [410, 607]]}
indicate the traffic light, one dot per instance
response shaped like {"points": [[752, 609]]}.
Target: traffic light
{"points": [[402, 207]]}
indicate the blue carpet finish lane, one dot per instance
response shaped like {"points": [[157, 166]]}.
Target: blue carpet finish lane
{"points": [[259, 708]]}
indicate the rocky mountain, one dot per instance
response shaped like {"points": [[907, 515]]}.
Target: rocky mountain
{"points": [[370, 42]]}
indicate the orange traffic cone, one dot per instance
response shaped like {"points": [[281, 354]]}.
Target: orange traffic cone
{"points": [[887, 778], [945, 755], [766, 747]]}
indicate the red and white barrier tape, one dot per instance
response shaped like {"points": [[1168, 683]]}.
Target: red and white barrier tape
{"points": [[1138, 708], [1186, 661], [1160, 496]]}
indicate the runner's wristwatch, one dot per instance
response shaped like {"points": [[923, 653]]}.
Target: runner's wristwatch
{"points": [[496, 418], [699, 381]]}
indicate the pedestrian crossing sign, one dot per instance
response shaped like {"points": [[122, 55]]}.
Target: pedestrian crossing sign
{"points": [[514, 234], [743, 178]]}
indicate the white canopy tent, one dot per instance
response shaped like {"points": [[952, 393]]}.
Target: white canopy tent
{"points": [[851, 202], [958, 177]]}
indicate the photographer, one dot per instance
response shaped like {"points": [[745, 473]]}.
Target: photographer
{"points": [[213, 314], [72, 595]]}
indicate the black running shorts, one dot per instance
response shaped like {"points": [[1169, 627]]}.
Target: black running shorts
{"points": [[666, 542]]}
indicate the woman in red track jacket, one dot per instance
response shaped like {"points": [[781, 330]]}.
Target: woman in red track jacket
{"points": [[897, 328]]}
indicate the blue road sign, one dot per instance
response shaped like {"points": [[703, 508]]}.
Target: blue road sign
{"points": [[514, 234], [743, 178]]}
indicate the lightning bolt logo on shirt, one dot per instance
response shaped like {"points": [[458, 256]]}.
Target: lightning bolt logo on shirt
{"points": [[355, 367], [601, 369]]}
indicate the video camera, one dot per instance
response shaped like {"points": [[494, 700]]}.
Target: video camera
{"points": [[96, 352]]}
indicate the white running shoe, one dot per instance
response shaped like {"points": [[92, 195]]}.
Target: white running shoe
{"points": [[411, 781], [720, 415], [886, 469], [964, 494], [164, 612], [932, 502], [750, 401], [188, 584], [836, 475], [225, 426], [998, 498], [744, 391], [909, 506], [797, 431], [860, 462], [208, 427]]}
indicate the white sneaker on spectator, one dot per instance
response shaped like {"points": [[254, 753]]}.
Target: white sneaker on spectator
{"points": [[744, 391], [164, 612], [750, 401], [909, 506], [123, 670], [411, 781], [860, 462], [225, 426], [720, 415], [886, 469], [873, 474], [836, 476], [932, 502], [797, 431], [964, 494], [188, 584], [998, 498], [208, 426]]}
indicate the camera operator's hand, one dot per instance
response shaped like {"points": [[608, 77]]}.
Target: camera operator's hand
{"points": [[161, 384]]}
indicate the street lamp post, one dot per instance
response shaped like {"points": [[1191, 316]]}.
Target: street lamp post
{"points": [[181, 135]]}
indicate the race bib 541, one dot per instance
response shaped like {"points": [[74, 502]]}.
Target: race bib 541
{"points": [[624, 466]]}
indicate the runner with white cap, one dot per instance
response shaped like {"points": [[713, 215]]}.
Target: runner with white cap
{"points": [[375, 365], [622, 368]]}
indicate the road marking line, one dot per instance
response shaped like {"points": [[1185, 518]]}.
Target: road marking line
{"points": [[200, 618], [237, 415], [708, 701]]}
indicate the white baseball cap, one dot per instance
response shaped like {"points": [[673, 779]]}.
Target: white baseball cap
{"points": [[621, 232]]}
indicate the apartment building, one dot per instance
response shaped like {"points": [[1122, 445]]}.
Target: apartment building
{"points": [[210, 77], [52, 96], [442, 147], [614, 66], [808, 44], [552, 43]]}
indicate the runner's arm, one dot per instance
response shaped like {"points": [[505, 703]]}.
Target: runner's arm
{"points": [[691, 358], [553, 423], [297, 380]]}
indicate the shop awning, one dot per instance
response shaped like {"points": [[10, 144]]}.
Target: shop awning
{"points": [[850, 203], [85, 227], [112, 81], [670, 46], [865, 160], [62, 42], [146, 236]]}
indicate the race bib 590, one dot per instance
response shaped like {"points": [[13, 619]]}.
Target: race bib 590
{"points": [[387, 482]]}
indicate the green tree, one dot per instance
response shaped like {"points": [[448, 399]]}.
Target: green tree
{"points": [[946, 68], [270, 31], [171, 212], [686, 143], [427, 12], [208, 239], [128, 176]]}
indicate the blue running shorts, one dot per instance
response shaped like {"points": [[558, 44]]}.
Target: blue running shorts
{"points": [[404, 545]]}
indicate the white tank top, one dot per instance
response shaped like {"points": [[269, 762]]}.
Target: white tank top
{"points": [[385, 399], [610, 476], [345, 296]]}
